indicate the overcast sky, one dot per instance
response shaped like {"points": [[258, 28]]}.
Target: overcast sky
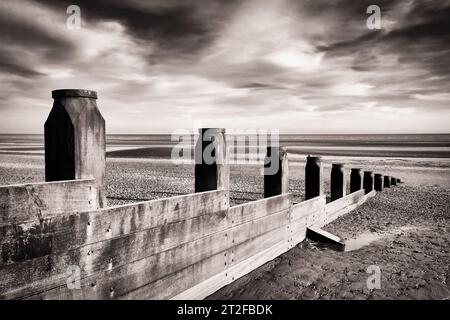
{"points": [[301, 66]]}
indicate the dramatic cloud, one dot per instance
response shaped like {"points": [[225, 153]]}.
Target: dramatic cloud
{"points": [[296, 65]]}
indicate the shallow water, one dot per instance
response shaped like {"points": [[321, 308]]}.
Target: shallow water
{"points": [[367, 238]]}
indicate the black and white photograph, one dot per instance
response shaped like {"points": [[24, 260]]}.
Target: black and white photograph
{"points": [[240, 150]]}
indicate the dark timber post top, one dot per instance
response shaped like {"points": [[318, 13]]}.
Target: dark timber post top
{"points": [[276, 172], [75, 139], [338, 187], [313, 177], [387, 181], [356, 180], [378, 182], [212, 171], [393, 181], [368, 181]]}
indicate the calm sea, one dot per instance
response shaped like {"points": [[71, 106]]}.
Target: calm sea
{"points": [[379, 145]]}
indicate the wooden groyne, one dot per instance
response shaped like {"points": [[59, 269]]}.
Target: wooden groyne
{"points": [[60, 240]]}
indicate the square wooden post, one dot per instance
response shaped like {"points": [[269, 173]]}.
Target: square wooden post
{"points": [[337, 183], [212, 170], [75, 139], [387, 181], [276, 172], [356, 180], [378, 182], [368, 181], [313, 177]]}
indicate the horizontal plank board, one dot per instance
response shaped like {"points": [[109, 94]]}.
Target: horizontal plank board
{"points": [[211, 285], [259, 208], [312, 212], [342, 206], [187, 246], [170, 285], [304, 208], [209, 267], [36, 201], [341, 203], [252, 246], [129, 276], [371, 194], [58, 234], [106, 254]]}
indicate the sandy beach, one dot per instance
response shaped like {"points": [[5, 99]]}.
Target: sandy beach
{"points": [[404, 230]]}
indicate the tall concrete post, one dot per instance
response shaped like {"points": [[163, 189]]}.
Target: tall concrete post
{"points": [[313, 177], [75, 139], [356, 180], [276, 172], [393, 181], [212, 171], [338, 186], [387, 181], [378, 182], [368, 181]]}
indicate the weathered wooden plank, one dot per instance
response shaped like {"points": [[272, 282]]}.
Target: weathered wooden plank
{"points": [[344, 202], [178, 282], [337, 208], [36, 201], [299, 231], [317, 234], [106, 254], [102, 255], [259, 208], [309, 211], [58, 234], [369, 195], [135, 274], [211, 285], [305, 208], [316, 217], [243, 243], [252, 245], [163, 267]]}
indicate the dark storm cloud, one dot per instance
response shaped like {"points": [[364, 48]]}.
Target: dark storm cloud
{"points": [[256, 85], [422, 36], [12, 64], [177, 27], [17, 69], [29, 35]]}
